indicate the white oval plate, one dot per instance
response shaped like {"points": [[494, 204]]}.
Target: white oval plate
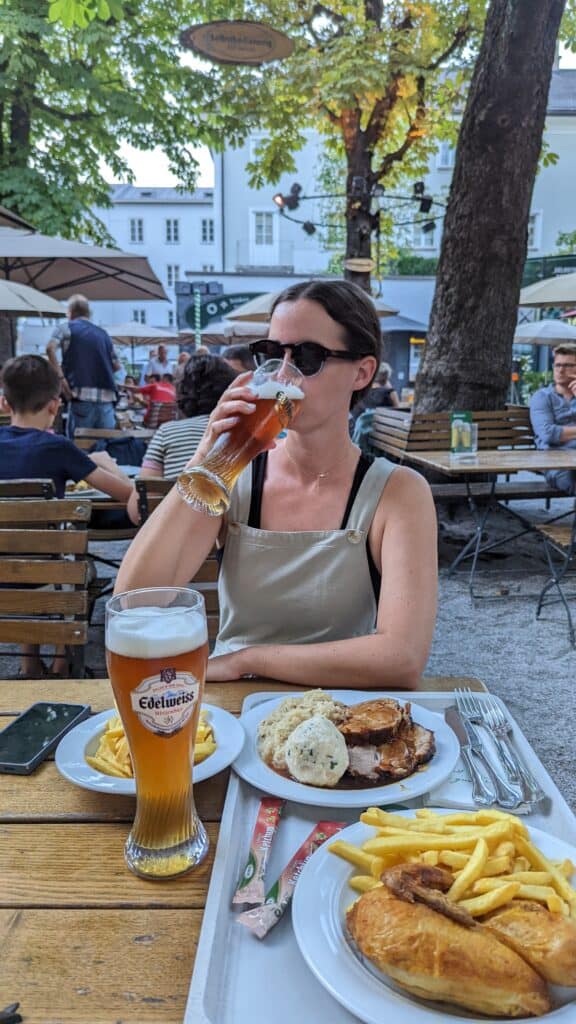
{"points": [[318, 916], [71, 752], [250, 766]]}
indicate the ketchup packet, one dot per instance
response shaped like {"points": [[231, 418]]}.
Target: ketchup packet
{"points": [[263, 918], [250, 890]]}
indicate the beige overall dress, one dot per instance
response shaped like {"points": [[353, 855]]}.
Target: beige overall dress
{"points": [[297, 587]]}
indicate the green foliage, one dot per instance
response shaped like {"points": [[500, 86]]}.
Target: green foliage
{"points": [[566, 242], [406, 264]]}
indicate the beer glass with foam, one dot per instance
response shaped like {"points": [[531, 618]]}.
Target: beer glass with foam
{"points": [[156, 652], [277, 396]]}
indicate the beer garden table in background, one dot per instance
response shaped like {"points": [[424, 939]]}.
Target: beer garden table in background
{"points": [[82, 940], [488, 461]]}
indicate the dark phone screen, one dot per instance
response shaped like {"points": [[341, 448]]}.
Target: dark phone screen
{"points": [[36, 728]]}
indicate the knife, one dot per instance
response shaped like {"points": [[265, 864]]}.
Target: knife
{"points": [[483, 794]]}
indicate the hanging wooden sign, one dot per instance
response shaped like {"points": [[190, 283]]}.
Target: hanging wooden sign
{"points": [[237, 42]]}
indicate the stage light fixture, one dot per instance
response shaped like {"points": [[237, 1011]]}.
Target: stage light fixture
{"points": [[308, 227], [425, 204]]}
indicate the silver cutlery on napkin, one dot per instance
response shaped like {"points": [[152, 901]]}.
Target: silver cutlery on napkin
{"points": [[483, 793], [487, 713], [508, 795]]}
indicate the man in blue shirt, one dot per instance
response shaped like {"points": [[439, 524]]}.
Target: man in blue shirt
{"points": [[89, 364], [553, 415]]}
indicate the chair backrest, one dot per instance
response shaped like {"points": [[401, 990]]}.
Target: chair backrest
{"points": [[38, 488], [88, 437], [398, 433], [151, 491], [161, 412], [43, 544]]}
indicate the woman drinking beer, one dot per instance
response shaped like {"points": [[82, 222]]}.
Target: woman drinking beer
{"points": [[328, 574]]}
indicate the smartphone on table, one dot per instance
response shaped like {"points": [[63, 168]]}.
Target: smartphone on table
{"points": [[26, 741]]}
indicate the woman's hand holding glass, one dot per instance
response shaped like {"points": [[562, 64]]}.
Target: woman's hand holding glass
{"points": [[237, 400]]}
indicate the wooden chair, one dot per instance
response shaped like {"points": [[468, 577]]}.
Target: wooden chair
{"points": [[560, 547], [87, 437], [40, 488], [44, 544], [151, 491]]}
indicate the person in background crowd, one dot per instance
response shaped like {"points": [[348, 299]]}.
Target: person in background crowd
{"points": [[29, 450], [380, 394], [180, 367], [553, 414], [329, 569], [158, 365], [173, 445], [87, 372], [157, 390], [239, 357]]}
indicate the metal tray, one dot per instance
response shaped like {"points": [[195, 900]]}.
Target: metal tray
{"points": [[239, 979]]}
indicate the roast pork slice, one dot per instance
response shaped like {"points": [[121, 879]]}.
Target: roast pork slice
{"points": [[374, 721]]}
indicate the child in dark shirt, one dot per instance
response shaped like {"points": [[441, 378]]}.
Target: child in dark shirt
{"points": [[29, 450]]}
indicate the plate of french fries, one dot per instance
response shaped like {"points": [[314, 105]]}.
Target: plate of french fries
{"points": [[95, 754], [495, 861]]}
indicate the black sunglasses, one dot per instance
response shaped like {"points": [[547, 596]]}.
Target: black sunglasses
{"points": [[307, 356]]}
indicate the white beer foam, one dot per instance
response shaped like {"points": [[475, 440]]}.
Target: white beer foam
{"points": [[155, 632], [270, 388]]}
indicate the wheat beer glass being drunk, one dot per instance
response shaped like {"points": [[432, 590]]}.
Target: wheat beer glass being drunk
{"points": [[277, 396], [156, 652]]}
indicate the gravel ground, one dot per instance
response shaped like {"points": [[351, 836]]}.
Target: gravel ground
{"points": [[527, 662]]}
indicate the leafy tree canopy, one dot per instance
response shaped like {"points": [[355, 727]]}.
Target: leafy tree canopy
{"points": [[380, 78]]}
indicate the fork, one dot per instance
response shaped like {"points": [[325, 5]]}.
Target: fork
{"points": [[489, 713], [508, 796]]}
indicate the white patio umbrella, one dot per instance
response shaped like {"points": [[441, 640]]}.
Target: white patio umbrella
{"points": [[259, 309], [552, 291], [59, 267], [545, 332], [134, 334], [20, 300], [221, 332]]}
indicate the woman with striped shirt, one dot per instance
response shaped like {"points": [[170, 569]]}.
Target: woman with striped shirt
{"points": [[204, 380]]}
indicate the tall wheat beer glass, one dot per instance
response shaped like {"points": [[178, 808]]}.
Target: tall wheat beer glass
{"points": [[156, 651], [277, 395]]}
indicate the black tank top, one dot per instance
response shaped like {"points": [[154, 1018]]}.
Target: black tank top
{"points": [[259, 466]]}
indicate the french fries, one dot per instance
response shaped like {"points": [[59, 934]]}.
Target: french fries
{"points": [[113, 756], [489, 854]]}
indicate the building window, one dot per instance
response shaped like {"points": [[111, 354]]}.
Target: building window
{"points": [[446, 156], [424, 235], [170, 318], [172, 274], [139, 316], [534, 230], [172, 230], [136, 229], [263, 228], [207, 268], [207, 231]]}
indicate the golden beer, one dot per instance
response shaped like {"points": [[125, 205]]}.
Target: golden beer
{"points": [[277, 397], [156, 655]]}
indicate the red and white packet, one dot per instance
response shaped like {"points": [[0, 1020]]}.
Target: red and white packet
{"points": [[261, 919], [251, 888]]}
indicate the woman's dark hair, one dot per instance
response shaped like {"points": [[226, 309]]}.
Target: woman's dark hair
{"points": [[351, 308], [204, 380], [242, 354]]}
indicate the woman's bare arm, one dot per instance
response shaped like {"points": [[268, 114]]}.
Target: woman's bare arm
{"points": [[396, 654]]}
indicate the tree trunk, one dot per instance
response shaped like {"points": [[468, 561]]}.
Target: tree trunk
{"points": [[7, 338], [468, 356], [358, 215]]}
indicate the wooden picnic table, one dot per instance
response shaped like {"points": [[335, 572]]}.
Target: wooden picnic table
{"points": [[496, 460], [82, 939]]}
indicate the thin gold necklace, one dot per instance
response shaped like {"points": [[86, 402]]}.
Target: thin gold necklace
{"points": [[319, 476]]}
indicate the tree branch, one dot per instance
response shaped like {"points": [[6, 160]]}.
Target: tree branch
{"points": [[85, 115], [460, 37], [381, 111], [414, 128]]}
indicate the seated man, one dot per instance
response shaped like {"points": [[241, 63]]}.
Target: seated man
{"points": [[29, 450], [553, 415]]}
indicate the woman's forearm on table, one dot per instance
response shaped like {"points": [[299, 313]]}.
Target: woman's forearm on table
{"points": [[170, 548], [359, 663]]}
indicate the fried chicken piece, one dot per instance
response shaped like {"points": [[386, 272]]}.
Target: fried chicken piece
{"points": [[422, 883], [436, 958], [545, 940]]}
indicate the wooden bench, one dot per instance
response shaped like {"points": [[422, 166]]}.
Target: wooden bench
{"points": [[44, 544], [37, 488], [151, 491], [397, 433]]}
